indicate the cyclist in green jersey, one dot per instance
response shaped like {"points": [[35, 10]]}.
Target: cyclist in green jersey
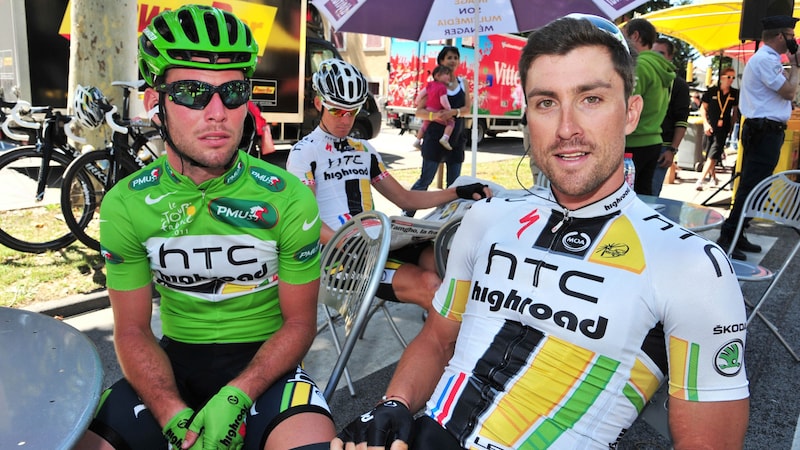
{"points": [[231, 244]]}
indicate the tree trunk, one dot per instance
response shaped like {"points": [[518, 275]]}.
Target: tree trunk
{"points": [[103, 49]]}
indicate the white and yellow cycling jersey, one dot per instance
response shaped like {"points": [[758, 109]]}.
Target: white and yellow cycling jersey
{"points": [[571, 319]]}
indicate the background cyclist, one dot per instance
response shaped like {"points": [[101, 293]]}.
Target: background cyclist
{"points": [[342, 171], [556, 310], [232, 245]]}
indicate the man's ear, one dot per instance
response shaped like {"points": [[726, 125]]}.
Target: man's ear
{"points": [[635, 104], [317, 104], [150, 101]]}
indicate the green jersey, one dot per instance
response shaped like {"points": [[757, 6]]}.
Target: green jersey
{"points": [[216, 250]]}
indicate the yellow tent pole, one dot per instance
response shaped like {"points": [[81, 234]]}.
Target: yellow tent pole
{"points": [[689, 71]]}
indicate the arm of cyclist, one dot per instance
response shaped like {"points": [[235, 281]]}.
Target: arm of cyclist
{"points": [[414, 380], [407, 199], [143, 361], [711, 425]]}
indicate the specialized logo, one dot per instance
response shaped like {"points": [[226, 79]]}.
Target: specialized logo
{"points": [[307, 252], [268, 179], [244, 213], [528, 220], [576, 241], [307, 225], [146, 179], [728, 360], [110, 257], [152, 201]]}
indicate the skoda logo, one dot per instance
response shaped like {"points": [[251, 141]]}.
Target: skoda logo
{"points": [[728, 360], [575, 241]]}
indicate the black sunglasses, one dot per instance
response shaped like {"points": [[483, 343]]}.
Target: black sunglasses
{"points": [[195, 94]]}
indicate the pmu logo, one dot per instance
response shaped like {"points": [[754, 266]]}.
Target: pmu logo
{"points": [[243, 213], [728, 360], [145, 179], [307, 252], [267, 179], [236, 173]]}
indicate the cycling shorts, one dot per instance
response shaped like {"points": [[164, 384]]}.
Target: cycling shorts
{"points": [[200, 371], [408, 254]]}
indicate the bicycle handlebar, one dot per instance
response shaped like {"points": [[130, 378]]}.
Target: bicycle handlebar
{"points": [[11, 134], [19, 121], [68, 132], [111, 123]]}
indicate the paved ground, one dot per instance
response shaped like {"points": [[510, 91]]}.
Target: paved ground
{"points": [[772, 371]]}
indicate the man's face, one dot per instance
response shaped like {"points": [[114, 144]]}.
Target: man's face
{"points": [[337, 122], [662, 49], [210, 135], [578, 120]]}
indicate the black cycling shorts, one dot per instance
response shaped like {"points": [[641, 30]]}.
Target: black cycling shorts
{"points": [[408, 254], [201, 370]]}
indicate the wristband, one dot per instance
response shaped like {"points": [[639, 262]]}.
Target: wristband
{"points": [[674, 150], [458, 112], [430, 115]]}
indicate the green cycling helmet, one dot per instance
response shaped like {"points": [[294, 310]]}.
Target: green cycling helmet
{"points": [[199, 37]]}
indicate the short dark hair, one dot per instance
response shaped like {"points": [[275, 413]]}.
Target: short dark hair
{"points": [[667, 43], [646, 30], [441, 69], [567, 34], [445, 50]]}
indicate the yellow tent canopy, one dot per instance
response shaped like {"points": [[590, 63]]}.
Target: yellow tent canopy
{"points": [[708, 26]]}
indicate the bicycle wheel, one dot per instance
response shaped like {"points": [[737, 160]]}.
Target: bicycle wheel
{"points": [[86, 182], [27, 224]]}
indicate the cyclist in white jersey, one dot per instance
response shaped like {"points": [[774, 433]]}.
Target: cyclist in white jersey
{"points": [[561, 313], [342, 171]]}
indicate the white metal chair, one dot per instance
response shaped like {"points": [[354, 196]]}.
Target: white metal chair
{"points": [[441, 245], [775, 199], [351, 267]]}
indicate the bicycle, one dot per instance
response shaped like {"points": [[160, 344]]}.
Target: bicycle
{"points": [[131, 148], [30, 177]]}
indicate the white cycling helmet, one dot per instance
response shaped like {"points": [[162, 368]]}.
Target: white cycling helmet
{"points": [[88, 110], [340, 84]]}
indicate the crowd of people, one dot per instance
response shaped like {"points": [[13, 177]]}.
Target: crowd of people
{"points": [[537, 335]]}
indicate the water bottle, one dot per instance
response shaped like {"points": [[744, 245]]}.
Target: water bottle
{"points": [[630, 170]]}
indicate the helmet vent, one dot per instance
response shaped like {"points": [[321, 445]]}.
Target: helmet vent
{"points": [[189, 28], [163, 29]]}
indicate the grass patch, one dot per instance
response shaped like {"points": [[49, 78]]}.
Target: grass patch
{"points": [[502, 172], [28, 278]]}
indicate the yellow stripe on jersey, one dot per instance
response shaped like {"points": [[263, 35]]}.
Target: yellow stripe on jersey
{"points": [[620, 247], [456, 300], [550, 404], [683, 360], [641, 386], [366, 194]]}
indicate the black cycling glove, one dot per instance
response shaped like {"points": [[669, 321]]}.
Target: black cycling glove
{"points": [[380, 426], [467, 190]]}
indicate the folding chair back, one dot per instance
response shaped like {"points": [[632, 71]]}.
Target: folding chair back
{"points": [[775, 199], [351, 267], [441, 245]]}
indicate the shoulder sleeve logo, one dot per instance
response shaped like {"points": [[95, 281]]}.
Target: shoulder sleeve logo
{"points": [[728, 360]]}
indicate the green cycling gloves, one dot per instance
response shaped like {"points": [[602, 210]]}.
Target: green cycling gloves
{"points": [[176, 428], [220, 423]]}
